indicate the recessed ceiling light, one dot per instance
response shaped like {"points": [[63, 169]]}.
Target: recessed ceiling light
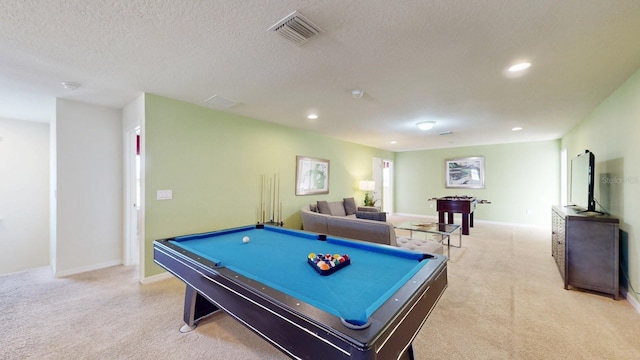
{"points": [[392, 142], [426, 125], [517, 128], [312, 116], [357, 94], [519, 67]]}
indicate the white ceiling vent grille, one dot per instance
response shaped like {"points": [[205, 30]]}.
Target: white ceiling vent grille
{"points": [[296, 28], [220, 102]]}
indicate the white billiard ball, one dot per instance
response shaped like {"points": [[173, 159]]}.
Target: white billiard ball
{"points": [[245, 239]]}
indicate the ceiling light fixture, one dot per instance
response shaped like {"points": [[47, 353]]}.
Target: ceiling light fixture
{"points": [[393, 142], [517, 128], [519, 67], [357, 94], [426, 125], [312, 116], [70, 85]]}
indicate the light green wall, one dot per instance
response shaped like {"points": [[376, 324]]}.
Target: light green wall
{"points": [[612, 133], [521, 181], [214, 162]]}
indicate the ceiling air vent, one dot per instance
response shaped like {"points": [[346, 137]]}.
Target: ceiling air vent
{"points": [[220, 102], [296, 28]]}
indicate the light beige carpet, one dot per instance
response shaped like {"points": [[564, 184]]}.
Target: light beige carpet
{"points": [[505, 301]]}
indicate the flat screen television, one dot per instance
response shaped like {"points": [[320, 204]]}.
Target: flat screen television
{"points": [[582, 181]]}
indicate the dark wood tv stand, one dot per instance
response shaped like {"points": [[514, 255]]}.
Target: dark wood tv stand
{"points": [[586, 249]]}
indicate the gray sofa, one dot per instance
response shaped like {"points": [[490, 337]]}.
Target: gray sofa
{"points": [[340, 220]]}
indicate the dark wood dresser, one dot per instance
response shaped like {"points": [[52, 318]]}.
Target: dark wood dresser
{"points": [[586, 249]]}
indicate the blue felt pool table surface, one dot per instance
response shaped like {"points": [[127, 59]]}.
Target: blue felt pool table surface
{"points": [[277, 257]]}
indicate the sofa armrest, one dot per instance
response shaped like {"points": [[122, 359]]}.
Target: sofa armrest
{"points": [[314, 222], [368, 208]]}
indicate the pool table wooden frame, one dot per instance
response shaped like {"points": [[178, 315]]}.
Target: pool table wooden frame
{"points": [[298, 329]]}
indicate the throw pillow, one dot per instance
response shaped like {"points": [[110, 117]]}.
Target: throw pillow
{"points": [[323, 207], [336, 208], [350, 206], [368, 215], [313, 207]]}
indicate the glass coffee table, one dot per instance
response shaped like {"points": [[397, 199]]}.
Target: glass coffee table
{"points": [[444, 230]]}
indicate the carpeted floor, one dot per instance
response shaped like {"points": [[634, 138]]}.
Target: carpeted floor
{"points": [[505, 300]]}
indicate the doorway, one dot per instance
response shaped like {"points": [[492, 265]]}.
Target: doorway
{"points": [[383, 178], [132, 197]]}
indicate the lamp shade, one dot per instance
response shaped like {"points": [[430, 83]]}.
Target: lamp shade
{"points": [[367, 185]]}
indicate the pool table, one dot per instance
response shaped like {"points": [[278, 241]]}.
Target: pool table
{"points": [[371, 308]]}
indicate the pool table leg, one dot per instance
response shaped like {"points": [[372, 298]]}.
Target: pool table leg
{"points": [[408, 355], [196, 307]]}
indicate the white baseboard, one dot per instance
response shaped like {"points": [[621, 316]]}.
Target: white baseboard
{"points": [[630, 299], [156, 278], [87, 268]]}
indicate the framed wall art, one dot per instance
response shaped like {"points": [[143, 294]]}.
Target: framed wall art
{"points": [[312, 176], [465, 173]]}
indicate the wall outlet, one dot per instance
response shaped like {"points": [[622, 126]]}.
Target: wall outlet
{"points": [[164, 195]]}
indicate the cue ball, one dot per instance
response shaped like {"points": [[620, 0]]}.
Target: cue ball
{"points": [[245, 239]]}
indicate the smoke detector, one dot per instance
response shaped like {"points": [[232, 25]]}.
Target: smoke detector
{"points": [[296, 28], [70, 85]]}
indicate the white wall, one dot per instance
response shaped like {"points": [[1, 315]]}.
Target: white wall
{"points": [[88, 204], [24, 199], [53, 185]]}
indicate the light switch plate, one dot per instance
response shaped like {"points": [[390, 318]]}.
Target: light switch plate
{"points": [[164, 195]]}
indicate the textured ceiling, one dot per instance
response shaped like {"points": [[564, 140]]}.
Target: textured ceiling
{"points": [[416, 60]]}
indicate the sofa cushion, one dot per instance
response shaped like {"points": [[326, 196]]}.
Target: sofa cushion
{"points": [[323, 207], [313, 207], [337, 208], [379, 216], [350, 205]]}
